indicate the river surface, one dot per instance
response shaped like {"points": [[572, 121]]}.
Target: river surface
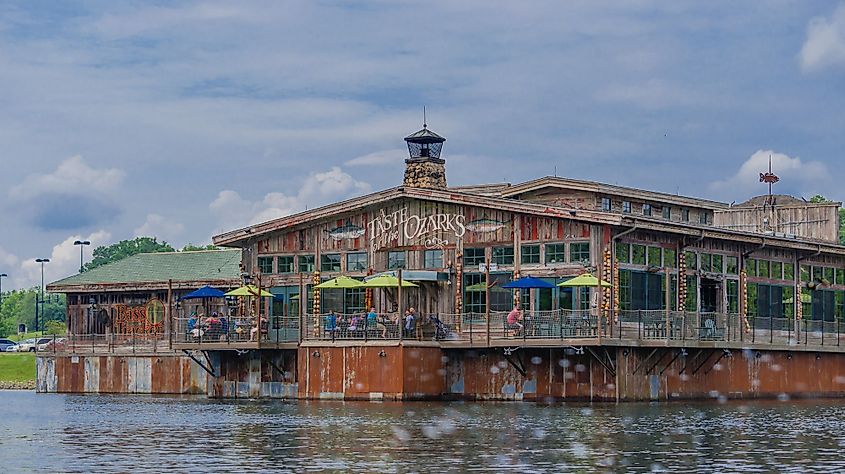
{"points": [[121, 433]]}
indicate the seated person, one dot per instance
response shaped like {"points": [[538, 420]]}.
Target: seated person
{"points": [[515, 320], [353, 323]]}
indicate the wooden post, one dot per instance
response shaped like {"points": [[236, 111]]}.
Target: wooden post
{"points": [[169, 313], [301, 294], [258, 308], [400, 318], [667, 281], [487, 295]]}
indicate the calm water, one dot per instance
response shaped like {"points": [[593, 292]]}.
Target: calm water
{"points": [[75, 433]]}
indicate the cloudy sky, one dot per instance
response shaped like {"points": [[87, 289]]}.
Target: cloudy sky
{"points": [[180, 120]]}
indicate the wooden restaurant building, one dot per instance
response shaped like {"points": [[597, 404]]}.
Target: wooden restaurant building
{"points": [[702, 297]]}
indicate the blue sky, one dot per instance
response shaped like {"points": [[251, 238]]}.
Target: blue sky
{"points": [[183, 119]]}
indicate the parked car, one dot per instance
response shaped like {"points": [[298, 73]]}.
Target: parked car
{"points": [[5, 344], [30, 345], [51, 344], [27, 345]]}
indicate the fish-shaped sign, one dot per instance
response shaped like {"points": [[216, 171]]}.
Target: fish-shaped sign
{"points": [[484, 225], [346, 231]]}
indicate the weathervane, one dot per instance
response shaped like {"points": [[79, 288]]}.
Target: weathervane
{"points": [[769, 178]]}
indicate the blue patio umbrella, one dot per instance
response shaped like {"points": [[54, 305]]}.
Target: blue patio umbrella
{"points": [[528, 282], [203, 293]]}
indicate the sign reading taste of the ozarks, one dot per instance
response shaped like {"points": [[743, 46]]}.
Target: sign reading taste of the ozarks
{"points": [[386, 228], [145, 319]]}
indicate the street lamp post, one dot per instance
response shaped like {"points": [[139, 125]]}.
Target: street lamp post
{"points": [[40, 301], [81, 244], [2, 275]]}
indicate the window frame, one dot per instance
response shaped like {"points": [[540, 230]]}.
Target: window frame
{"points": [[304, 262], [647, 209], [502, 259], [536, 258], [606, 204], [291, 265], [562, 252], [264, 259], [580, 252], [357, 255], [392, 260], [426, 253], [333, 260]]}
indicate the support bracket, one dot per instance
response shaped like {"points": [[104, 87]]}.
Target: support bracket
{"points": [[608, 366], [515, 361], [644, 362], [208, 368]]}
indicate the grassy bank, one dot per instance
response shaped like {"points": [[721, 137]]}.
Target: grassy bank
{"points": [[17, 367]]}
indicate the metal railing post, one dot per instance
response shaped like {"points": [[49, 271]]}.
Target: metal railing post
{"points": [[806, 330], [639, 324], [822, 331]]}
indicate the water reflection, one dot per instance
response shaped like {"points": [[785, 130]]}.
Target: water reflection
{"points": [[149, 434]]}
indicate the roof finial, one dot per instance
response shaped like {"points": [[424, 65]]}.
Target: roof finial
{"points": [[424, 120], [770, 179]]}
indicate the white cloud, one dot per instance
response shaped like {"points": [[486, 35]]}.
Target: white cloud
{"points": [[64, 260], [797, 176], [7, 260], [392, 157], [72, 176], [825, 43], [161, 227], [234, 211]]}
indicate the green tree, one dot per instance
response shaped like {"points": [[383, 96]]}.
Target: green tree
{"points": [[194, 248], [126, 248]]}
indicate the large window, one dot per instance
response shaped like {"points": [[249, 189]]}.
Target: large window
{"points": [[396, 259], [692, 294], [474, 301], [667, 212], [503, 255], [284, 264], [655, 258], [646, 209], [306, 263], [579, 252], [555, 253], [354, 300], [473, 257], [789, 271], [733, 296], [623, 253], [433, 259], [530, 254], [638, 254], [330, 262], [605, 204], [670, 258], [691, 259], [705, 262], [265, 265], [731, 265], [644, 290], [702, 217], [356, 262], [626, 207], [685, 215]]}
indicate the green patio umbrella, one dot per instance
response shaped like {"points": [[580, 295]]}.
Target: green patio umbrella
{"points": [[248, 290], [387, 281], [585, 279], [483, 287], [341, 282]]}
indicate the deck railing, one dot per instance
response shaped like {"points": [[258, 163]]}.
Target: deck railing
{"points": [[236, 330], [676, 327], [566, 327]]}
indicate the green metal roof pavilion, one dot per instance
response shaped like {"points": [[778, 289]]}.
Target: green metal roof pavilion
{"points": [[154, 270]]}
